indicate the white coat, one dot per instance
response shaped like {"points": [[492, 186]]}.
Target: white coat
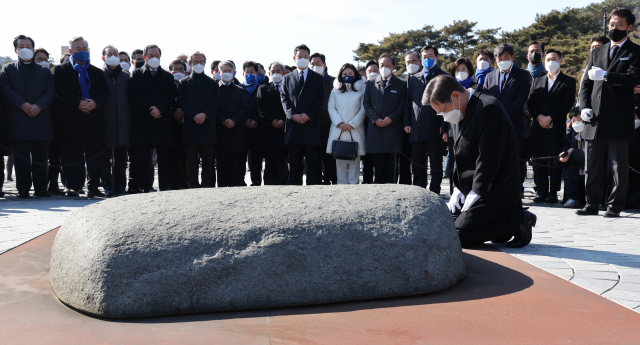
{"points": [[346, 107]]}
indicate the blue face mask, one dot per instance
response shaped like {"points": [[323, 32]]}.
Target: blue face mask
{"points": [[82, 56], [260, 78], [428, 63], [348, 79], [249, 79]]}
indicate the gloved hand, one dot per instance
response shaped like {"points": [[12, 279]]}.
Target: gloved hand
{"points": [[597, 73], [471, 199], [456, 199], [586, 115]]}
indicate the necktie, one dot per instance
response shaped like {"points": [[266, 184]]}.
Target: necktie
{"points": [[277, 88], [504, 81], [153, 72], [301, 78], [614, 51]]}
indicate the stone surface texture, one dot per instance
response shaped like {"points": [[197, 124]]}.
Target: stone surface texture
{"points": [[237, 248]]}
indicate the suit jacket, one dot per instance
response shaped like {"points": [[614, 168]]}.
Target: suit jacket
{"points": [[325, 119], [270, 107], [302, 100], [117, 110], [233, 105], [611, 99], [556, 103], [425, 124], [73, 124], [486, 161], [30, 83], [513, 97], [145, 91], [194, 99], [385, 101], [253, 137]]}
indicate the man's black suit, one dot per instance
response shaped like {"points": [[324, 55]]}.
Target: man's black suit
{"points": [[276, 171], [253, 151], [612, 101], [230, 146], [328, 171], [303, 140]]}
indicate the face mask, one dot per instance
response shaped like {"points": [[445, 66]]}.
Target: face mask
{"points": [[139, 64], [82, 56], [153, 62], [504, 65], [578, 126], [302, 63], [125, 65], [348, 79], [428, 63], [44, 64], [637, 123], [372, 76], [178, 76], [249, 79], [276, 77], [535, 58], [216, 76], [617, 35], [112, 61], [385, 72], [318, 69], [454, 116], [413, 69], [260, 78], [462, 76], [227, 77], [25, 54], [552, 66], [199, 68], [483, 65]]}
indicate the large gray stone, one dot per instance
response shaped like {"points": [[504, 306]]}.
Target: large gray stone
{"points": [[236, 248]]}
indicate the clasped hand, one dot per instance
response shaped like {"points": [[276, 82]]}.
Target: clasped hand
{"points": [[87, 105], [300, 118], [32, 110], [344, 127]]}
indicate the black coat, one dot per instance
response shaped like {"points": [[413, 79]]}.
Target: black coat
{"points": [[612, 100], [145, 91], [302, 100], [194, 99], [73, 124], [323, 114], [425, 124], [513, 97], [270, 107], [5, 145], [234, 100], [556, 103], [253, 136], [486, 161], [634, 159], [117, 110], [380, 102]]}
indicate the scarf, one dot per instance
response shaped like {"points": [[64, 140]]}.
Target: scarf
{"points": [[114, 73], [83, 77], [480, 75], [251, 87], [535, 70], [465, 83], [428, 73]]}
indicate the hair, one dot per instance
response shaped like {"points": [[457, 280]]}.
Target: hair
{"points": [[41, 50], [137, 51], [76, 39], [387, 55], [318, 55], [197, 53], [228, 63], [234, 64], [277, 63], [259, 66], [623, 13], [215, 64], [534, 42], [125, 53], [357, 76], [104, 50], [504, 48], [361, 68], [462, 61], [600, 38], [440, 89], [414, 52], [371, 62], [486, 52], [151, 46], [429, 46], [22, 37], [177, 62], [288, 67], [575, 112], [62, 57], [552, 50], [301, 47], [248, 64]]}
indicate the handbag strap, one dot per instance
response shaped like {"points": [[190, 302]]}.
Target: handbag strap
{"points": [[340, 136]]}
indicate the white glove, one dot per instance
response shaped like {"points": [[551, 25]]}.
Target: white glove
{"points": [[597, 73], [586, 115], [471, 199], [456, 199]]}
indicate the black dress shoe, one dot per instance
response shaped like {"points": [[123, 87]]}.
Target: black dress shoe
{"points": [[56, 191], [539, 198], [1, 193], [42, 194], [611, 214], [587, 211], [72, 193], [526, 231], [95, 192], [23, 195], [501, 240], [551, 199]]}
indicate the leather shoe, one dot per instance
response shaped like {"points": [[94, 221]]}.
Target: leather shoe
{"points": [[23, 195], [526, 231], [539, 198], [56, 191], [571, 204], [95, 192], [551, 199], [611, 214], [72, 193], [42, 194], [587, 211], [1, 193]]}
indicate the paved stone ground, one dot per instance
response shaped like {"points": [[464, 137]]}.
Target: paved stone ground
{"points": [[596, 253]]}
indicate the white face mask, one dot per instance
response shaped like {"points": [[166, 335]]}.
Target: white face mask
{"points": [[483, 65], [25, 54], [153, 63], [125, 65], [302, 63], [462, 76], [216, 76], [454, 116], [413, 69], [44, 64], [504, 65], [199, 68], [373, 76], [637, 123], [552, 66], [276, 78], [318, 69], [578, 126], [227, 77], [112, 61], [178, 76], [385, 72]]}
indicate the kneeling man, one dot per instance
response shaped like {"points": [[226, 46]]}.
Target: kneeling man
{"points": [[486, 202]]}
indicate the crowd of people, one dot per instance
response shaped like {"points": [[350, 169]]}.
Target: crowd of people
{"points": [[84, 123]]}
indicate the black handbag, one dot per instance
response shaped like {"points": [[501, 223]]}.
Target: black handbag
{"points": [[345, 150]]}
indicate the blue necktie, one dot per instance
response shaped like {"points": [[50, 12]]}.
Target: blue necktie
{"points": [[153, 73]]}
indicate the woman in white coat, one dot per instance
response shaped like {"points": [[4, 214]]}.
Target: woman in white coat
{"points": [[347, 118]]}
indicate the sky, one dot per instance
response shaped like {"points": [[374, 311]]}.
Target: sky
{"points": [[262, 31]]}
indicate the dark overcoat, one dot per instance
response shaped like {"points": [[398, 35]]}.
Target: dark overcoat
{"points": [[307, 99], [385, 101], [117, 110], [233, 105], [270, 107], [425, 124], [194, 99]]}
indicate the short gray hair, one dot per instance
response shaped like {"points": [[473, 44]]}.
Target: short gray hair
{"points": [[196, 53], [104, 50], [76, 39], [228, 63], [276, 63], [440, 89]]}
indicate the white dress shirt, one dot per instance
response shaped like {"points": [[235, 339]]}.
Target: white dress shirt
{"points": [[619, 45], [304, 73], [504, 76], [550, 80]]}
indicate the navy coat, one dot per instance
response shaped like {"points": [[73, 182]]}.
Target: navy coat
{"points": [[425, 124], [302, 100], [193, 100], [270, 108], [234, 100]]}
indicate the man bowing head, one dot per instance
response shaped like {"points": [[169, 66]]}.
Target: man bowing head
{"points": [[485, 203]]}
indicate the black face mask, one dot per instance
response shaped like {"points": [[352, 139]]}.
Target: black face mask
{"points": [[617, 35], [139, 64], [535, 58]]}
